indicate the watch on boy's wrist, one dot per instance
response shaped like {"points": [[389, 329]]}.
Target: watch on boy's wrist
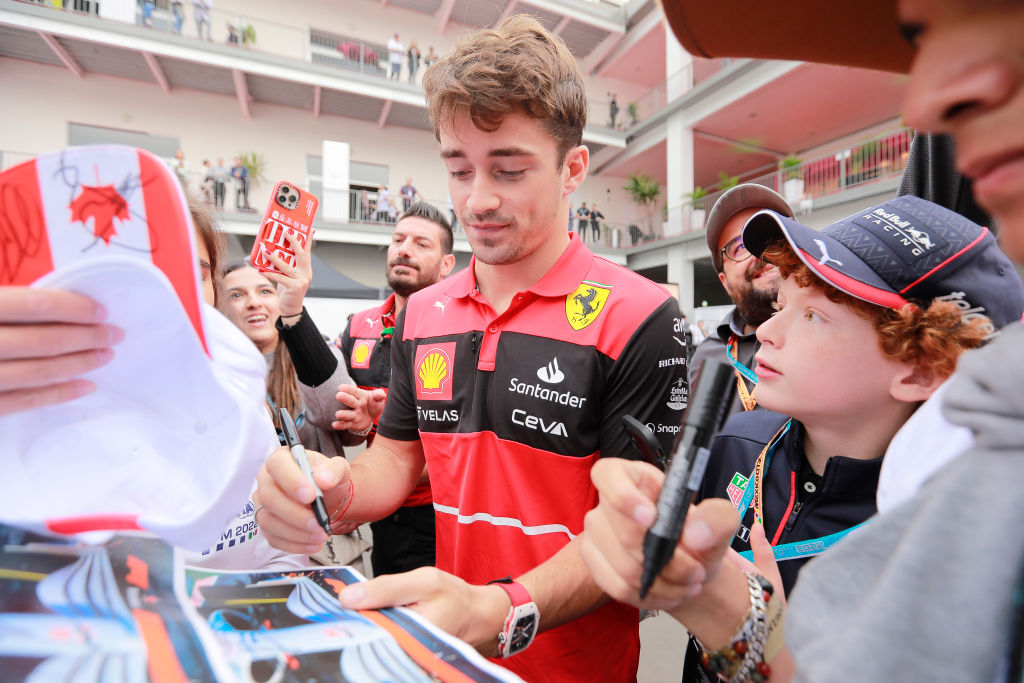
{"points": [[522, 621]]}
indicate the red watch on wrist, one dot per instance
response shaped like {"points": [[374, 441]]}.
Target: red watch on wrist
{"points": [[522, 621]]}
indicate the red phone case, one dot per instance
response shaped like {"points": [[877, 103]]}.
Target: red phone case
{"points": [[290, 208]]}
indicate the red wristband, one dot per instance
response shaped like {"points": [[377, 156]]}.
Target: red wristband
{"points": [[344, 505]]}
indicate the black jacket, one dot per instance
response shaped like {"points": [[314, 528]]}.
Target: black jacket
{"points": [[842, 497], [714, 346]]}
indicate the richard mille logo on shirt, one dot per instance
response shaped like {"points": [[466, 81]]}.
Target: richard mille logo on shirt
{"points": [[550, 373]]}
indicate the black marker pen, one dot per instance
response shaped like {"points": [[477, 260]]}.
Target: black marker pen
{"points": [[291, 438], [686, 470]]}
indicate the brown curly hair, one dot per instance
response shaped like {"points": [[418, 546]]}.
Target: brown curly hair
{"points": [[519, 67], [930, 337]]}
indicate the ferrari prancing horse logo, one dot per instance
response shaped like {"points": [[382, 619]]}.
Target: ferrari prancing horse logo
{"points": [[585, 304]]}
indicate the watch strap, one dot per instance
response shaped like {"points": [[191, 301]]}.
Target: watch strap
{"points": [[517, 592]]}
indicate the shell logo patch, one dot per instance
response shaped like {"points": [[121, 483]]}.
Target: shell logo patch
{"points": [[585, 304], [361, 353], [434, 370]]}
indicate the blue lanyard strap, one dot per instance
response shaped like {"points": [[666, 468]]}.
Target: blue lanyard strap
{"points": [[808, 548], [733, 353]]}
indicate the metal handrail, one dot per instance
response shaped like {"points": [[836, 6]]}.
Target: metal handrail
{"points": [[883, 157], [697, 72]]}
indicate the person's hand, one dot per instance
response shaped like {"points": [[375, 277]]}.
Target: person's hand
{"points": [[612, 541], [286, 495], [361, 407], [474, 614], [294, 282], [49, 338], [765, 563]]}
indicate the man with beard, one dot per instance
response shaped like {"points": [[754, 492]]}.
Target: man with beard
{"points": [[750, 283], [419, 255]]}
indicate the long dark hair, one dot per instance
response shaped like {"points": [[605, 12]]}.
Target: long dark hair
{"points": [[282, 385]]}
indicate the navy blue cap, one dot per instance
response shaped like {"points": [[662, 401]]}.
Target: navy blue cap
{"points": [[901, 251]]}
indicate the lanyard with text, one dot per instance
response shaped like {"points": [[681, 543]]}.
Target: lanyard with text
{"points": [[752, 491], [732, 350], [808, 548]]}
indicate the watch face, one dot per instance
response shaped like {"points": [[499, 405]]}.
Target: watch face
{"points": [[522, 633]]}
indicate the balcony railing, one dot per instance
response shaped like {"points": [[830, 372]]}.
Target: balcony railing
{"points": [[364, 206], [314, 45], [679, 83], [871, 161]]}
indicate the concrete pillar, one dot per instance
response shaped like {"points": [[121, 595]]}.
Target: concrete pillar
{"points": [[678, 139], [680, 273], [335, 202]]}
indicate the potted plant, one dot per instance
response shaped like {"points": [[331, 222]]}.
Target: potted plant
{"points": [[255, 164], [644, 190], [633, 112], [248, 36], [697, 212], [793, 178], [726, 181]]}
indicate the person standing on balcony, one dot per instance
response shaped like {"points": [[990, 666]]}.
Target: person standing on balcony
{"points": [[364, 204], [420, 254], [613, 109], [751, 283], [396, 53], [180, 168], [220, 179], [408, 193], [383, 202], [582, 219], [201, 15], [178, 12], [414, 64], [241, 175], [595, 223], [208, 180], [430, 57]]}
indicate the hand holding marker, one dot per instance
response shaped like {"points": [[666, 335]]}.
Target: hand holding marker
{"points": [[686, 470]]}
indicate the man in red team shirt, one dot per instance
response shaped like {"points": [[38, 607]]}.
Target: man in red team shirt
{"points": [[420, 254], [509, 381]]}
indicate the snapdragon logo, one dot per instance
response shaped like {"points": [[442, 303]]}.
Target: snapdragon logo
{"points": [[664, 429], [550, 372]]}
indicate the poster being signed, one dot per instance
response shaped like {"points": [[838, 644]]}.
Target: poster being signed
{"points": [[129, 609]]}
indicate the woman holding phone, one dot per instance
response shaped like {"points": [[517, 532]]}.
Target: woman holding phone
{"points": [[303, 372]]}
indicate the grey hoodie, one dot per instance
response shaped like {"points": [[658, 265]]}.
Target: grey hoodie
{"points": [[925, 591]]}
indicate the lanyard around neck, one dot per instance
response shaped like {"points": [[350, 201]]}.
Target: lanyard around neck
{"points": [[742, 371], [753, 492]]}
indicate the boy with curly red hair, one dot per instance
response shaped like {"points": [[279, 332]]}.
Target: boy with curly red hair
{"points": [[872, 315]]}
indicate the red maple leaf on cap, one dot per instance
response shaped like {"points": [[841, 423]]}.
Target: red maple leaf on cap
{"points": [[103, 204]]}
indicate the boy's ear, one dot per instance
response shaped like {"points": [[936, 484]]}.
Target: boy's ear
{"points": [[914, 384]]}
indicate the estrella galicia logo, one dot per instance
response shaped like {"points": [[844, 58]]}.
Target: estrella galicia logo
{"points": [[677, 394], [361, 353], [434, 370], [585, 303], [551, 373]]}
